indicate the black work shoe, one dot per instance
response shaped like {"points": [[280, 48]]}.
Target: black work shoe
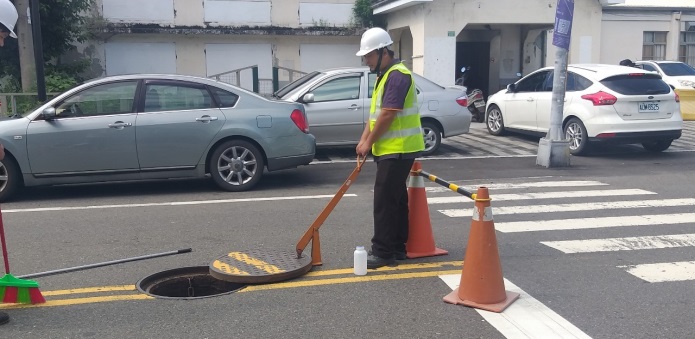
{"points": [[401, 256], [4, 318], [375, 262]]}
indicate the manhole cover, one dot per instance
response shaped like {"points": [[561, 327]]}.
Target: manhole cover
{"points": [[186, 283], [260, 266]]}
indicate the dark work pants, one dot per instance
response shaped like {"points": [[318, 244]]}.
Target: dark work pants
{"points": [[391, 207]]}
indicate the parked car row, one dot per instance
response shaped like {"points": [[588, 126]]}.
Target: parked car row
{"points": [[603, 104], [337, 102], [136, 127]]}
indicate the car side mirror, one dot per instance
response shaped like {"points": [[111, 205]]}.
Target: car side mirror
{"points": [[308, 98], [49, 113], [511, 88]]}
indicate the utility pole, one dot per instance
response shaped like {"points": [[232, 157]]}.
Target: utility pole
{"points": [[553, 150], [25, 41], [38, 50]]}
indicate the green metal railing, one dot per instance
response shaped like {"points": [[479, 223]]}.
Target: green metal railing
{"points": [[234, 77], [291, 75]]}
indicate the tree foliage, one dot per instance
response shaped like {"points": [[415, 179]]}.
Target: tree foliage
{"points": [[363, 14], [62, 24]]}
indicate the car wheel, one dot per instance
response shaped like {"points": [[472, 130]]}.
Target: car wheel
{"points": [[575, 133], [494, 121], [236, 165], [10, 178], [657, 146], [433, 137]]}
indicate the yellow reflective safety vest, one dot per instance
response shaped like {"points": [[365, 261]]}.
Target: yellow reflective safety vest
{"points": [[405, 133]]}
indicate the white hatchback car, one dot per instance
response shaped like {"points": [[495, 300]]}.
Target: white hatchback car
{"points": [[675, 73], [603, 103]]}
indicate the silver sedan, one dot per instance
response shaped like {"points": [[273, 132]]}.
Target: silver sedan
{"points": [[337, 102], [138, 127]]}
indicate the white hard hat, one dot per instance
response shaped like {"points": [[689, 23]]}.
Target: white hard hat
{"points": [[374, 38], [8, 16]]}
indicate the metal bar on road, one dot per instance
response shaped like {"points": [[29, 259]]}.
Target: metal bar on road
{"points": [[84, 267]]}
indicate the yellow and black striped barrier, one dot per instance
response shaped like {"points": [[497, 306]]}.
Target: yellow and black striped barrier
{"points": [[446, 184]]}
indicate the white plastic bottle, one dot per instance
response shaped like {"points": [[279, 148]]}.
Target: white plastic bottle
{"points": [[360, 265]]}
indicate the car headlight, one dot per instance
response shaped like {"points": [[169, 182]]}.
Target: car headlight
{"points": [[687, 83]]}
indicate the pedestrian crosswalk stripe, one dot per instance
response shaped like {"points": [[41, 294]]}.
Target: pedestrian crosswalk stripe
{"points": [[457, 213], [544, 195], [588, 223], [541, 184], [526, 317], [663, 272], [622, 244], [494, 146]]}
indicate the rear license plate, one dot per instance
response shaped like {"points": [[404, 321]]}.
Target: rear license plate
{"points": [[646, 107]]}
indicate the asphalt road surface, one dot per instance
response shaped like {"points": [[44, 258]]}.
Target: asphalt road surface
{"points": [[602, 249]]}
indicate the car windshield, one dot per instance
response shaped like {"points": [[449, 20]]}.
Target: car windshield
{"points": [[677, 69], [294, 84], [637, 84]]}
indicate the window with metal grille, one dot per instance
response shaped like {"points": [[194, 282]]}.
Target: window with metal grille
{"points": [[686, 50], [654, 46]]}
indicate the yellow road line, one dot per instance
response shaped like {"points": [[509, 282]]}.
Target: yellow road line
{"points": [[400, 267], [79, 301], [356, 279], [374, 275], [90, 290]]}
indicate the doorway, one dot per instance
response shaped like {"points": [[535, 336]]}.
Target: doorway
{"points": [[475, 55]]}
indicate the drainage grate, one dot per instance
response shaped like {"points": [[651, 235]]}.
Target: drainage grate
{"points": [[186, 283]]}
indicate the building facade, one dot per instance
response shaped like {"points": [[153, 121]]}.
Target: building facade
{"points": [[210, 37], [649, 30], [500, 40], [503, 39]]}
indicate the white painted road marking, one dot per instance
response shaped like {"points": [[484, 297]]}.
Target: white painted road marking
{"points": [[175, 203], [540, 184], [587, 223], [526, 317], [664, 272], [532, 209], [622, 244], [544, 195]]}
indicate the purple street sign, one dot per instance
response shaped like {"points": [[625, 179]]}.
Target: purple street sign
{"points": [[563, 23]]}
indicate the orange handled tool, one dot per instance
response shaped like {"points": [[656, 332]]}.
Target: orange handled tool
{"points": [[312, 234]]}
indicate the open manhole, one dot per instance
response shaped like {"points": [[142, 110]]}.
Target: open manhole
{"points": [[186, 283]]}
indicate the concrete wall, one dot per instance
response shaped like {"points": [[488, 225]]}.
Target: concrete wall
{"points": [[211, 54], [186, 54], [281, 13]]}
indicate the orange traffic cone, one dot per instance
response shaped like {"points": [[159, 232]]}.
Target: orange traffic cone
{"points": [[420, 239], [482, 285]]}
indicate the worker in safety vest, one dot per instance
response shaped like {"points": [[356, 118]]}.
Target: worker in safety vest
{"points": [[8, 18], [394, 136]]}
